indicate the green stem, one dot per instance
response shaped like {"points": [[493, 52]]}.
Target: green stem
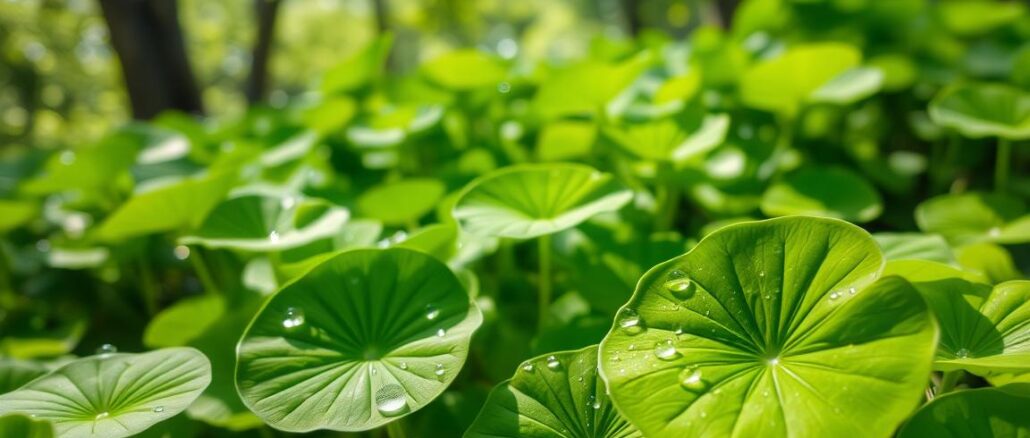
{"points": [[7, 295], [1001, 165], [948, 381], [149, 287], [544, 259], [203, 274], [395, 429]]}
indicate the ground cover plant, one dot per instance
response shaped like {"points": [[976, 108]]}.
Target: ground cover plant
{"points": [[810, 219]]}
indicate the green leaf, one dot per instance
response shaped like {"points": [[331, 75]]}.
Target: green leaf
{"points": [[679, 88], [565, 139], [990, 260], [975, 413], [975, 217], [585, 88], [268, 223], [984, 110], [761, 318], [22, 426], [15, 373], [173, 206], [14, 214], [464, 70], [982, 330], [90, 168], [782, 84], [183, 322], [969, 18], [914, 246], [358, 70], [849, 87], [558, 394], [401, 202], [115, 394], [828, 192], [363, 338], [671, 139], [528, 201]]}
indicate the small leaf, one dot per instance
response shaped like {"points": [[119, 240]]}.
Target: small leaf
{"points": [[914, 246], [829, 192], [975, 413], [384, 202], [557, 394], [762, 317], [183, 321], [783, 84], [464, 70], [363, 338], [528, 201], [849, 87], [984, 110], [975, 217], [268, 223], [115, 394], [990, 260]]}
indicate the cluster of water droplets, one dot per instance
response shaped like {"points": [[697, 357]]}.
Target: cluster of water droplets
{"points": [[835, 295]]}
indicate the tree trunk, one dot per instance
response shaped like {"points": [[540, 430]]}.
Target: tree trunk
{"points": [[726, 10], [631, 11], [148, 40], [257, 83], [382, 16]]}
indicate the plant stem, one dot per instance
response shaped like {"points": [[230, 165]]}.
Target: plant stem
{"points": [[203, 274], [544, 259], [1001, 165], [7, 294], [395, 429], [149, 288], [948, 381]]}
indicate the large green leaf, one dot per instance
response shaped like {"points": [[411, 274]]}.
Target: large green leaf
{"points": [[982, 330], [173, 206], [783, 84], [829, 192], [974, 217], [114, 394], [984, 110], [363, 338], [464, 70], [914, 246], [268, 223], [976, 413], [15, 373], [772, 328], [558, 394], [528, 201], [585, 88]]}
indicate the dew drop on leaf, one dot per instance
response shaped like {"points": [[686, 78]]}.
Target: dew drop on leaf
{"points": [[553, 363], [834, 295], [181, 252], [629, 320], [432, 312], [106, 349], [681, 287], [441, 332], [294, 318], [159, 409], [440, 371], [404, 365], [391, 400], [690, 378], [273, 236], [528, 368], [596, 405], [101, 416], [665, 350], [962, 353]]}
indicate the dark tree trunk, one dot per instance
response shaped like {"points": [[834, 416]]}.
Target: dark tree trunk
{"points": [[148, 39], [257, 83], [382, 16], [631, 11], [726, 10]]}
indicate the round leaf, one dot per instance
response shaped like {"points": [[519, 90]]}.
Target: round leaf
{"points": [[363, 338], [401, 202], [464, 70], [557, 394], [772, 328], [828, 192], [974, 217], [784, 83], [528, 201], [268, 223], [113, 395], [984, 110], [982, 330], [984, 412]]}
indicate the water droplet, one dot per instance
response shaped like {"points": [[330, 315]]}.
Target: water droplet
{"points": [[391, 400], [767, 296], [503, 87], [441, 332], [440, 371], [629, 320], [404, 365], [294, 317], [834, 295], [372, 370], [432, 312], [596, 405], [101, 416], [690, 378], [681, 286], [553, 363], [181, 252], [106, 349], [287, 202], [851, 290], [159, 409], [632, 347], [67, 158], [761, 274], [579, 379], [665, 350], [528, 368], [273, 236], [774, 361], [962, 353]]}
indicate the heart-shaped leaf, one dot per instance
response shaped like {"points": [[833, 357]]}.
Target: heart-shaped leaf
{"points": [[976, 413], [114, 394], [761, 318], [268, 223], [974, 217], [984, 110], [829, 192], [982, 330], [361, 339], [528, 201], [557, 394]]}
